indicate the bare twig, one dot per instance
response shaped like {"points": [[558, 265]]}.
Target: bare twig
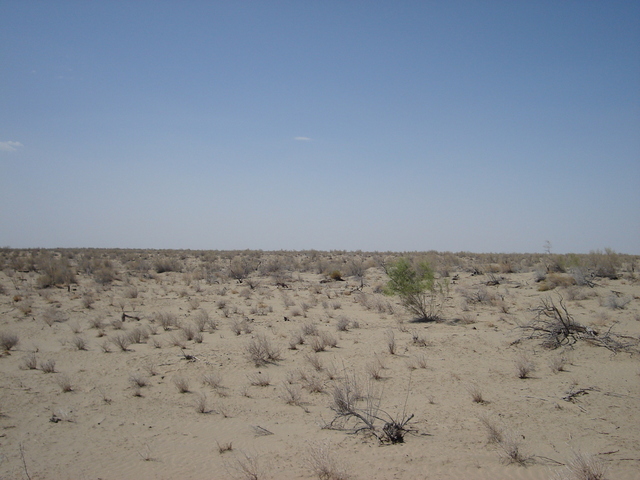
{"points": [[572, 394], [24, 462], [261, 431], [556, 327]]}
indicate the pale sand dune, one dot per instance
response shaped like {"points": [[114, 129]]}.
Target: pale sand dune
{"points": [[107, 432]]}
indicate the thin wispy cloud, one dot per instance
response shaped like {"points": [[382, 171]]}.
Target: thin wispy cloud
{"points": [[302, 139], [10, 146]]}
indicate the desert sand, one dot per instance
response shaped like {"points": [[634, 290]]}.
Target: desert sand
{"points": [[173, 391]]}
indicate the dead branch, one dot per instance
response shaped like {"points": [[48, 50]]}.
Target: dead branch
{"points": [[572, 394], [261, 431], [556, 327], [125, 316], [188, 357], [24, 462]]}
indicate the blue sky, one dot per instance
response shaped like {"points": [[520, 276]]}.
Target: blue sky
{"points": [[485, 126]]}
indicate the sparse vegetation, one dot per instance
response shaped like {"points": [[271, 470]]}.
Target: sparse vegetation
{"points": [[345, 329], [511, 450], [48, 366], [64, 382], [556, 327], [390, 339], [493, 428], [166, 320], [260, 351], [345, 406], [558, 363], [584, 467], [224, 447], [291, 394], [317, 343], [181, 383], [617, 302], [201, 405], [138, 380], [8, 340], [246, 467], [122, 341], [315, 361], [324, 464], [524, 366], [476, 393], [260, 379], [30, 362], [79, 343], [343, 324], [212, 379], [55, 271]]}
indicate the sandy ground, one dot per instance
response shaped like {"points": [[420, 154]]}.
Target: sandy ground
{"points": [[109, 427]]}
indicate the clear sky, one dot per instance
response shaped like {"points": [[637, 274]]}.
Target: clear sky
{"points": [[486, 126]]}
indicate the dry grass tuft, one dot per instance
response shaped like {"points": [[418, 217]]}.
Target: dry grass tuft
{"points": [[314, 360], [48, 366], [79, 343], [259, 379], [418, 339], [139, 335], [615, 302], [181, 383], [212, 379], [97, 323], [260, 351], [296, 339], [310, 329], [246, 467], [139, 380], [558, 363], [374, 369], [328, 339], [343, 324], [584, 467], [323, 463], [314, 384], [30, 362], [122, 341], [421, 360], [476, 393], [166, 320], [201, 403], [511, 452], [390, 339], [524, 366], [224, 447], [494, 429], [64, 382], [8, 340], [317, 344], [291, 394], [52, 315]]}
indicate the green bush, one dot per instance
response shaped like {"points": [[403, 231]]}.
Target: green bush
{"points": [[419, 291]]}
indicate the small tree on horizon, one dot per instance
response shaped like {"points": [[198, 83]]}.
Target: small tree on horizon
{"points": [[419, 291]]}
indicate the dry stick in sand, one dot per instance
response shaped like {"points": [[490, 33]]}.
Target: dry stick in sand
{"points": [[260, 431], [583, 391], [189, 358], [24, 462], [125, 316]]}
